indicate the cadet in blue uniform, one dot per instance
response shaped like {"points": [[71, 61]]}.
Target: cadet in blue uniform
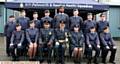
{"points": [[47, 17], [93, 44], [36, 21], [23, 20], [75, 19], [46, 41], [9, 28], [107, 45], [77, 41], [102, 23], [32, 37], [61, 16], [16, 42], [61, 38]]}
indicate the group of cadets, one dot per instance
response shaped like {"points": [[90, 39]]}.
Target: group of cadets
{"points": [[43, 36]]}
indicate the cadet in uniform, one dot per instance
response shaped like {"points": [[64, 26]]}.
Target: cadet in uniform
{"points": [[77, 41], [46, 41], [32, 37], [102, 23], [93, 44], [75, 19], [16, 42], [61, 16], [61, 38], [47, 17], [9, 28], [36, 21], [107, 45]]}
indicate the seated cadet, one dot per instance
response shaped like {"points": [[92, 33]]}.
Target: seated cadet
{"points": [[107, 45], [77, 40], [32, 37], [16, 42], [61, 38], [93, 44], [46, 41]]}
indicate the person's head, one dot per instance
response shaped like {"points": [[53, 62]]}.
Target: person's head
{"points": [[76, 28], [11, 18], [47, 12], [46, 24], [35, 15], [62, 24], [89, 16], [23, 13], [18, 27], [75, 12], [103, 16], [32, 24], [61, 9], [92, 29], [106, 29]]}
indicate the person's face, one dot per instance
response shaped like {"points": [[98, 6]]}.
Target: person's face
{"points": [[61, 10], [23, 13], [32, 25], [18, 28], [62, 25], [92, 30], [75, 13], [106, 30], [76, 29], [103, 17], [89, 16], [35, 15], [46, 25], [11, 19], [47, 14]]}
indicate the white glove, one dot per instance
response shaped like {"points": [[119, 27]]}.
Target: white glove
{"points": [[107, 47], [57, 43], [98, 46], [19, 44], [89, 46], [66, 39], [11, 44], [114, 47]]}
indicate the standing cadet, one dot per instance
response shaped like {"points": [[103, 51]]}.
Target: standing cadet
{"points": [[61, 38], [46, 41], [36, 21], [9, 28], [61, 16], [77, 41], [47, 17], [23, 20], [102, 23], [93, 44], [107, 45], [32, 37], [16, 42], [75, 19]]}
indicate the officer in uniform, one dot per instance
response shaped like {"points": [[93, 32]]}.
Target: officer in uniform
{"points": [[75, 19], [9, 28], [47, 17], [61, 38], [102, 23], [93, 44], [107, 45], [61, 16], [16, 42], [32, 34], [77, 41], [36, 21], [46, 41]]}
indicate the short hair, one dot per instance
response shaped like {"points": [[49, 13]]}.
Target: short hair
{"points": [[89, 14], [105, 28], [102, 14], [46, 11], [31, 22], [61, 7], [17, 25], [75, 10], [11, 16], [22, 11], [35, 12]]}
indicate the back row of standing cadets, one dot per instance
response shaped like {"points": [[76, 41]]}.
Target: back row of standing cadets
{"points": [[92, 41]]}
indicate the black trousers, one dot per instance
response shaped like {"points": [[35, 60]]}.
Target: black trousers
{"points": [[105, 53], [8, 45]]}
